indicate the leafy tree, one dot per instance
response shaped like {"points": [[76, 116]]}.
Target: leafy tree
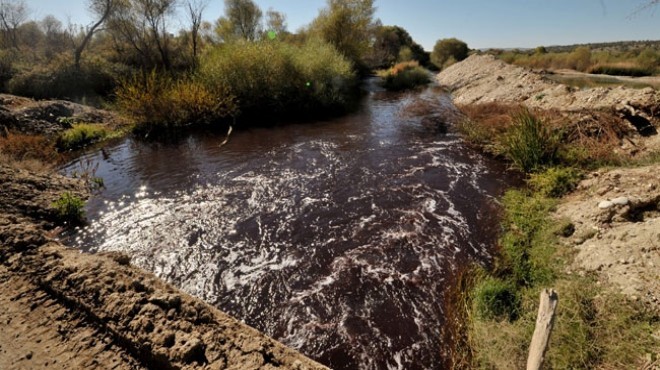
{"points": [[394, 44], [447, 50], [348, 25]]}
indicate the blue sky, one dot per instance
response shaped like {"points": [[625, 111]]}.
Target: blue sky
{"points": [[480, 23]]}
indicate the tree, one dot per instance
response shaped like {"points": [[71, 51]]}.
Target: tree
{"points": [[275, 22], [448, 50], [195, 9], [142, 25], [242, 20], [103, 9], [348, 25], [392, 44], [12, 14]]}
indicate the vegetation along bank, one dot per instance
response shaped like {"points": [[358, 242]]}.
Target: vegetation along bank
{"points": [[586, 224]]}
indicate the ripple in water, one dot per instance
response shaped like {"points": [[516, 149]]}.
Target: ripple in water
{"points": [[337, 238]]}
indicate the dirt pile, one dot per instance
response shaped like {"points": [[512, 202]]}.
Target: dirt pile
{"points": [[616, 215], [63, 309], [484, 79], [47, 117]]}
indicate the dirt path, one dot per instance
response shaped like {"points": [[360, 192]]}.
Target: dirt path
{"points": [[65, 309]]}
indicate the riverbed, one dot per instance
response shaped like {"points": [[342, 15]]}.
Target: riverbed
{"points": [[339, 238]]}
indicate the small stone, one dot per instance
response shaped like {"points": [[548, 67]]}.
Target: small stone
{"points": [[606, 204], [29, 355], [621, 201]]}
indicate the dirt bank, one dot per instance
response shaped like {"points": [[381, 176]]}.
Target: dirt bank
{"points": [[47, 117], [66, 310], [616, 213]]}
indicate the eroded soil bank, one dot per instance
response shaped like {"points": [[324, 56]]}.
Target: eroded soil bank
{"points": [[616, 212], [65, 310]]}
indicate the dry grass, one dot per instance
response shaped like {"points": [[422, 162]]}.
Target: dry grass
{"points": [[28, 151], [588, 138]]}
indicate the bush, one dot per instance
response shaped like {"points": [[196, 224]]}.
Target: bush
{"points": [[273, 79], [81, 135], [61, 80], [529, 143], [159, 100], [404, 76], [622, 69], [6, 68], [69, 208], [448, 50], [494, 299], [555, 182]]}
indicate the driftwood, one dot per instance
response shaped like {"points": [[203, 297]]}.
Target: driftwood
{"points": [[544, 323]]}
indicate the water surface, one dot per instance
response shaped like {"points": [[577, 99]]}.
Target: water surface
{"points": [[338, 238]]}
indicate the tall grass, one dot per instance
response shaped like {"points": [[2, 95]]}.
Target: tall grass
{"points": [[530, 143], [273, 79], [16, 147], [156, 101]]}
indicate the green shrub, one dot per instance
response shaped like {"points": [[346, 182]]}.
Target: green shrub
{"points": [[448, 51], [529, 143], [555, 181], [494, 299], [81, 135], [157, 100], [273, 79], [404, 76], [69, 208]]}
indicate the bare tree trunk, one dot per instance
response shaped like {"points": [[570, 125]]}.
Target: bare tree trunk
{"points": [[544, 323]]}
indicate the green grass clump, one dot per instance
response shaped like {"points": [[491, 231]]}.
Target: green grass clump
{"points": [[529, 143], [555, 181], [69, 208], [80, 136], [495, 299], [403, 76], [273, 79]]}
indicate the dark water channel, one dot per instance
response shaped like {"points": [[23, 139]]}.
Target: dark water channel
{"points": [[338, 238]]}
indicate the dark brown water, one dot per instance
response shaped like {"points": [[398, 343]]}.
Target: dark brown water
{"points": [[338, 238]]}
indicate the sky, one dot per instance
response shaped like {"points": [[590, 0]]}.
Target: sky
{"points": [[480, 23]]}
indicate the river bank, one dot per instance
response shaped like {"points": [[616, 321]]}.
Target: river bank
{"points": [[586, 225]]}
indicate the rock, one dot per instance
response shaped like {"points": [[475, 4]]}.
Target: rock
{"points": [[621, 201], [606, 204]]}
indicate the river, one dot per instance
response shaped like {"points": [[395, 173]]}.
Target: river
{"points": [[338, 238]]}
